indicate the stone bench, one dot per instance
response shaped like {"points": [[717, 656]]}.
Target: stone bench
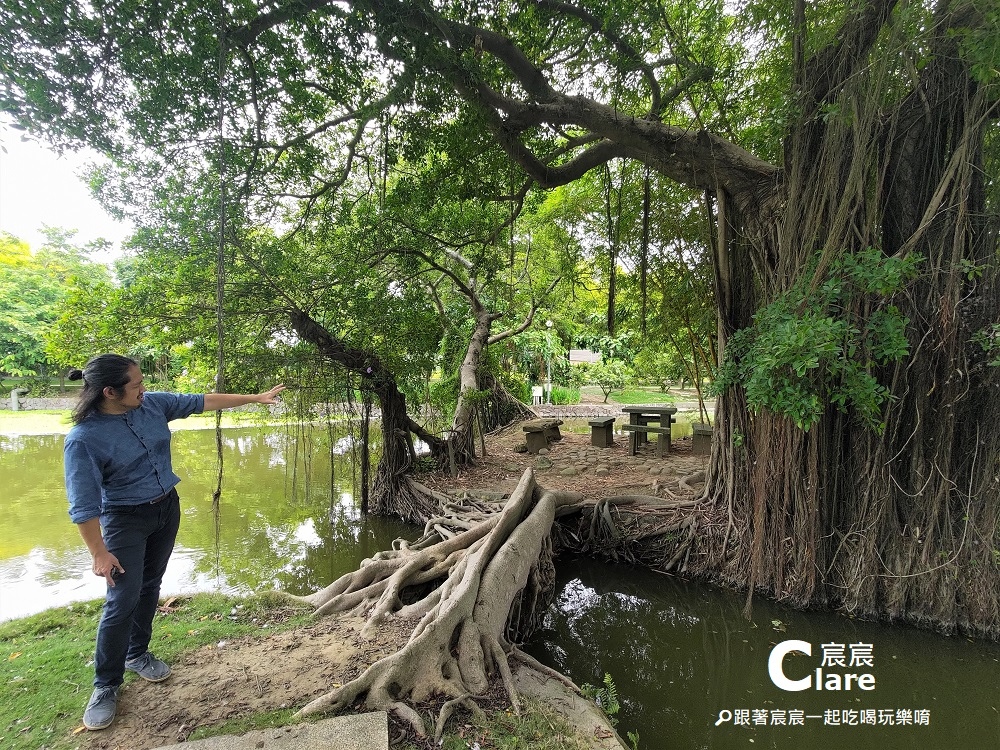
{"points": [[602, 432], [637, 430], [538, 433]]}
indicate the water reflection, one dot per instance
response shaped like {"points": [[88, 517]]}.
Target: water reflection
{"points": [[287, 518], [682, 655]]}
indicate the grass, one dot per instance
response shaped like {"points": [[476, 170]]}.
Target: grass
{"points": [[46, 670], [636, 395], [538, 727], [46, 674], [58, 422]]}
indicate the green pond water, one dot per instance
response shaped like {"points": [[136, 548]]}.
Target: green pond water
{"points": [[690, 670]]}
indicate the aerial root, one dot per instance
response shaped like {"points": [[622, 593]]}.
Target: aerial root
{"points": [[533, 663], [410, 716], [652, 501], [500, 657]]}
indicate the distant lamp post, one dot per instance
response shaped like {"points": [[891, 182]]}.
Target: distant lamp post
{"points": [[548, 361]]}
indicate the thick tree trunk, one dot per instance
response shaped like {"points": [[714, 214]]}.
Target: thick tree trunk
{"points": [[900, 523], [470, 396], [392, 494]]}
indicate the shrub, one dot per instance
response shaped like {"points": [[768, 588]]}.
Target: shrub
{"points": [[565, 395]]}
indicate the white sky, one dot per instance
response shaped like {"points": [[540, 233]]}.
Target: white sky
{"points": [[37, 187]]}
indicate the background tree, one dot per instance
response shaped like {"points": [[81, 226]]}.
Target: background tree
{"points": [[34, 287], [610, 375]]}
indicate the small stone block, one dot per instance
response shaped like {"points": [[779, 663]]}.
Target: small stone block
{"points": [[701, 440], [602, 433], [536, 441]]}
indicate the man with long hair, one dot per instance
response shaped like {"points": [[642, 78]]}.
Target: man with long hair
{"points": [[123, 498]]}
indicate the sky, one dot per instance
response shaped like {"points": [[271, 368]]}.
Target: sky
{"points": [[38, 187]]}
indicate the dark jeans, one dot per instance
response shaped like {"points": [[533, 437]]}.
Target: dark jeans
{"points": [[142, 538]]}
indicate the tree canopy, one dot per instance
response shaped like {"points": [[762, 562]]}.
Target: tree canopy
{"points": [[34, 287]]}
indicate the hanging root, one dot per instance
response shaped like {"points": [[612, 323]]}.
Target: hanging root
{"points": [[637, 529]]}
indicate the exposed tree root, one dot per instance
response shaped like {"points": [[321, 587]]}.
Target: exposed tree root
{"points": [[685, 482], [639, 529], [477, 582], [457, 585]]}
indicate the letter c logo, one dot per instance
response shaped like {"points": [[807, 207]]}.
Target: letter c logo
{"points": [[774, 665]]}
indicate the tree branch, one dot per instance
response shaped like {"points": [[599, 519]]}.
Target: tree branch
{"points": [[535, 304]]}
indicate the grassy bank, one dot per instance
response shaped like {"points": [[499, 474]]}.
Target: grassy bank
{"points": [[46, 674], [58, 422], [46, 669]]}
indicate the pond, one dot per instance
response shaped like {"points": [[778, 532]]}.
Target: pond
{"points": [[287, 518], [689, 669]]}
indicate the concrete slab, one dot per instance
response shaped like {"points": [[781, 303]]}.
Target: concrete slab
{"points": [[355, 732]]}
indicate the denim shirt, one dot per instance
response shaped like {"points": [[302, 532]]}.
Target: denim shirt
{"points": [[123, 459]]}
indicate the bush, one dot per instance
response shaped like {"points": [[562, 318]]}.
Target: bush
{"points": [[564, 395], [578, 375]]}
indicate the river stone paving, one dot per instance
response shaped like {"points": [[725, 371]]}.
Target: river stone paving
{"points": [[568, 458]]}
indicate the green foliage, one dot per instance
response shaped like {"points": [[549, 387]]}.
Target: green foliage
{"points": [[565, 395], [610, 375], [541, 350], [659, 366], [814, 347], [989, 339], [443, 393], [621, 347], [499, 360], [576, 374], [36, 288], [981, 45], [605, 696]]}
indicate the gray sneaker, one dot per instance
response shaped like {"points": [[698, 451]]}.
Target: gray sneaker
{"points": [[100, 711], [148, 667]]}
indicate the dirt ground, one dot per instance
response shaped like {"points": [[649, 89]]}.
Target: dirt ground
{"points": [[233, 679], [503, 465], [230, 680]]}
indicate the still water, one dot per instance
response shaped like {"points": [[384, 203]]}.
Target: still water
{"points": [[690, 670], [287, 518]]}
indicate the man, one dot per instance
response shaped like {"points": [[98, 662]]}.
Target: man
{"points": [[123, 498]]}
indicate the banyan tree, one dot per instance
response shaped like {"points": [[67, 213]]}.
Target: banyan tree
{"points": [[847, 154]]}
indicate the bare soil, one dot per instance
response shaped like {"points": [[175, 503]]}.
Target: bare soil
{"points": [[226, 681], [503, 465]]}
